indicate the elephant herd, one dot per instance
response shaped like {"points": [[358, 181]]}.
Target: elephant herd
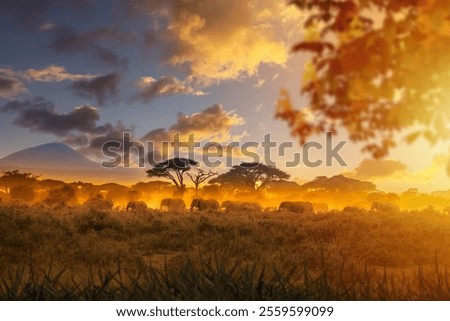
{"points": [[178, 205]]}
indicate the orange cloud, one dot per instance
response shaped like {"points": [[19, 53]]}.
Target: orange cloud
{"points": [[221, 40], [375, 169], [150, 87], [212, 123]]}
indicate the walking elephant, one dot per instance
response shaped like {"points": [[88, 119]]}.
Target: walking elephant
{"points": [[232, 206], [202, 204], [297, 207], [136, 206], [236, 206]]}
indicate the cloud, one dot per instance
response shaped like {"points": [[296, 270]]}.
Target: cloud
{"points": [[12, 81], [50, 73], [99, 88], [111, 133], [394, 175], [68, 41], [439, 162], [85, 85], [260, 83], [30, 13], [47, 26], [218, 40], [91, 144], [53, 74], [77, 140], [373, 169], [10, 87], [149, 87], [212, 123], [79, 127], [212, 120], [41, 115]]}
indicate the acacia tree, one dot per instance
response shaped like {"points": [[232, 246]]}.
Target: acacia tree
{"points": [[250, 176], [174, 170], [378, 68], [200, 177], [15, 178]]}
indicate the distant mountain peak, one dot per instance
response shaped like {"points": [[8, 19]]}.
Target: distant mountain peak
{"points": [[59, 161], [51, 155]]}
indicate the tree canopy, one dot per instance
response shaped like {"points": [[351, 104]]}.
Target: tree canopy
{"points": [[378, 68], [174, 170], [15, 178], [339, 183], [250, 176]]}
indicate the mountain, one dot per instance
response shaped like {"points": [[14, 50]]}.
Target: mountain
{"points": [[49, 156], [59, 161]]}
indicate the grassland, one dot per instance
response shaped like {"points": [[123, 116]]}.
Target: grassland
{"points": [[81, 253]]}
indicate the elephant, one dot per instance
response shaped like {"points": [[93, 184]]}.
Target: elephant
{"points": [[385, 207], [136, 206], [354, 210], [173, 205], [231, 206], [236, 206], [297, 207], [204, 204], [251, 207], [270, 210]]}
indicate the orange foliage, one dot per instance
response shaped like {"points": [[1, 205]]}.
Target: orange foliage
{"points": [[380, 68]]}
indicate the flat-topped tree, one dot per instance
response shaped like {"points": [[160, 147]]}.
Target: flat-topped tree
{"points": [[174, 170], [250, 176]]}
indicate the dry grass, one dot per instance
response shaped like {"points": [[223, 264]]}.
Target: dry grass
{"points": [[85, 254]]}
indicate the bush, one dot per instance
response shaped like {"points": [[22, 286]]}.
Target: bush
{"points": [[22, 193]]}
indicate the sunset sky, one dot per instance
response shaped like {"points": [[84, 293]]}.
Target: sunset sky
{"points": [[83, 72]]}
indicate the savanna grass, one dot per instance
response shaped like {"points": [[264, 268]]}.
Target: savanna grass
{"points": [[87, 254]]}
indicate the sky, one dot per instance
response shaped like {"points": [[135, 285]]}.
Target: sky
{"points": [[84, 72]]}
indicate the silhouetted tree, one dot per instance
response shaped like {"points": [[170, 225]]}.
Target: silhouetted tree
{"points": [[15, 178], [200, 177], [50, 183], [61, 195], [368, 72], [116, 192], [173, 169], [250, 176], [339, 183]]}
